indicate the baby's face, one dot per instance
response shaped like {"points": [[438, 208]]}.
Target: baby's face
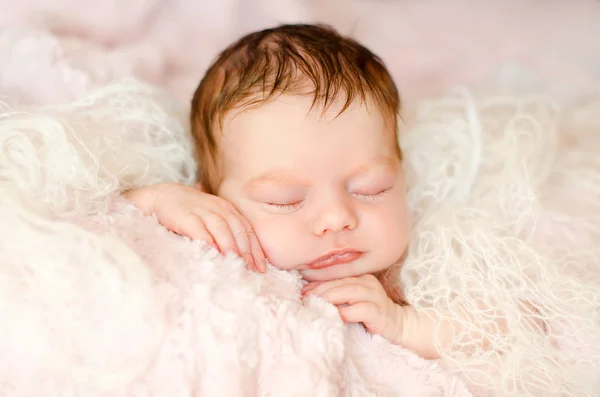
{"points": [[325, 194]]}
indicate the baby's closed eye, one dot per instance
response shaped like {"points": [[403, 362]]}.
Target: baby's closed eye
{"points": [[372, 186], [280, 199]]}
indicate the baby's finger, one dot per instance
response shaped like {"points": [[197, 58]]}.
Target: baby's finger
{"points": [[324, 286], [245, 236], [192, 226], [255, 247], [218, 227], [311, 286], [257, 252], [347, 294], [240, 234], [362, 312]]}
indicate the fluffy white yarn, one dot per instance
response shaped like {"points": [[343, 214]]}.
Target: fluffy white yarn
{"points": [[487, 238], [69, 157]]}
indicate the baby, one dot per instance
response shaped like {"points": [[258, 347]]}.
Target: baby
{"points": [[296, 136]]}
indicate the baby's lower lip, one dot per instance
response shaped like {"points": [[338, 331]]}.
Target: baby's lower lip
{"points": [[336, 259]]}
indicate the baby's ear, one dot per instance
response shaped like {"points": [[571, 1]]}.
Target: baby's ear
{"points": [[199, 186]]}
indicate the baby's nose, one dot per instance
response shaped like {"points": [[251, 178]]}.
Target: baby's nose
{"points": [[335, 218]]}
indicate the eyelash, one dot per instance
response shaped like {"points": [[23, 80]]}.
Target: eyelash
{"points": [[290, 207], [374, 196]]}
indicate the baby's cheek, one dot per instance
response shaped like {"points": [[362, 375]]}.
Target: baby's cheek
{"points": [[391, 234], [280, 243]]}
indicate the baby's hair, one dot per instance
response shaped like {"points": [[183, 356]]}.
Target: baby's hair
{"points": [[299, 59]]}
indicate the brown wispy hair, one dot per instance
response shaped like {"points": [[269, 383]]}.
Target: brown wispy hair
{"points": [[299, 59]]}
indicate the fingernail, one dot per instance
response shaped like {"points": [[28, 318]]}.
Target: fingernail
{"points": [[311, 287], [249, 260]]}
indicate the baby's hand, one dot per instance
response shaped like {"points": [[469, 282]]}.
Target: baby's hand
{"points": [[201, 216], [362, 300]]}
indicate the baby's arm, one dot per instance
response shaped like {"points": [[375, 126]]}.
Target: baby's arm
{"points": [[426, 332], [200, 216]]}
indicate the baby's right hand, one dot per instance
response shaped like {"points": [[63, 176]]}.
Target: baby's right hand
{"points": [[201, 216]]}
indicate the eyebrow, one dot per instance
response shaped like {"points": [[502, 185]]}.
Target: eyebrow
{"points": [[388, 163], [275, 177]]}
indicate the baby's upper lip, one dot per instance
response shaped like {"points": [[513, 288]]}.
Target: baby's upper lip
{"points": [[335, 257]]}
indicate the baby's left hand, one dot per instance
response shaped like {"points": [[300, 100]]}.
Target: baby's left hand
{"points": [[362, 300]]}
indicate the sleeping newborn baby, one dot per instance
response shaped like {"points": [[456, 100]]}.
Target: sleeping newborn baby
{"points": [[299, 165]]}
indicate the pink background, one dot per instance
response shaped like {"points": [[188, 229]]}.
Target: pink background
{"points": [[429, 45]]}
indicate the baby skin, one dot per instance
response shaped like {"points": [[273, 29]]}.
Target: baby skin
{"points": [[320, 192]]}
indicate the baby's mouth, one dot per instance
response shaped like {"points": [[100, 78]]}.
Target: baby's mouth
{"points": [[333, 258]]}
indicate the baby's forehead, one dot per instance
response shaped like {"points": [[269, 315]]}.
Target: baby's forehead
{"points": [[305, 109], [287, 118], [287, 132]]}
